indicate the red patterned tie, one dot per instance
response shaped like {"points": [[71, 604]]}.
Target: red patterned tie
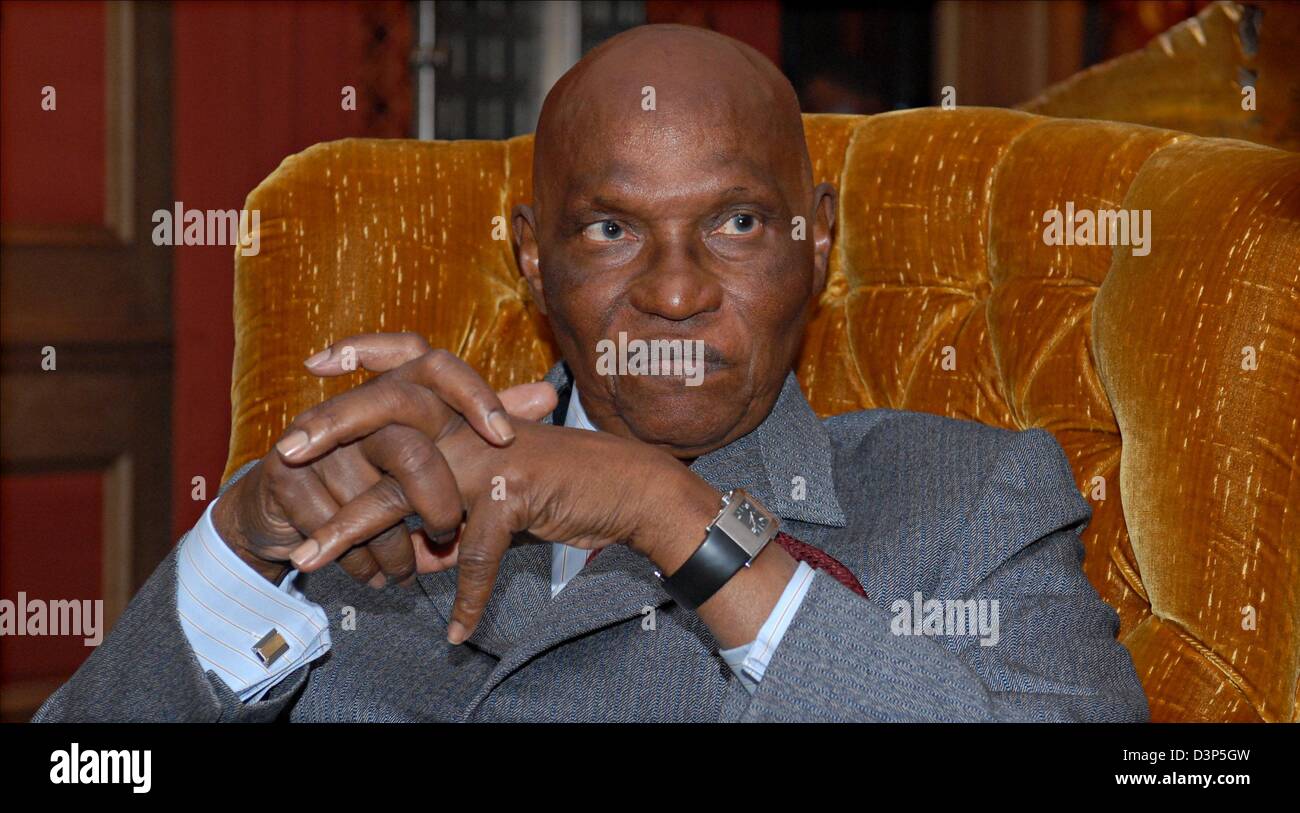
{"points": [[816, 558]]}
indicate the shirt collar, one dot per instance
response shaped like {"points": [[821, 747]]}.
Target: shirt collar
{"points": [[576, 417], [787, 461]]}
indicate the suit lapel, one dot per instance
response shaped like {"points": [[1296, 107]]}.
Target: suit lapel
{"points": [[521, 593], [616, 586]]}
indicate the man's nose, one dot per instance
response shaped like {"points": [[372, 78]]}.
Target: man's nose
{"points": [[676, 285]]}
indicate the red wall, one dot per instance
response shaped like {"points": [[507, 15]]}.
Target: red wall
{"points": [[53, 160], [52, 551]]}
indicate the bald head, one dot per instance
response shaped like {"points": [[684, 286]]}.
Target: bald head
{"points": [[673, 201], [699, 84]]}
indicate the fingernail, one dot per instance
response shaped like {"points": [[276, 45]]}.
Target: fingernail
{"points": [[292, 442], [319, 357], [456, 633], [378, 581], [304, 553], [501, 425]]}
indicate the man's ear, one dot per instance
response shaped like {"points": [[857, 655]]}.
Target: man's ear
{"points": [[524, 225], [824, 202]]}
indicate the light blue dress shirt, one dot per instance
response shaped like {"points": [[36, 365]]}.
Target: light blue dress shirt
{"points": [[226, 607]]}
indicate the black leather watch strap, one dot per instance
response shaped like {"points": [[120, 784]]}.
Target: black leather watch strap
{"points": [[709, 568]]}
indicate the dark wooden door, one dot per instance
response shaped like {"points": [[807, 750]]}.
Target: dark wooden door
{"points": [[85, 318]]}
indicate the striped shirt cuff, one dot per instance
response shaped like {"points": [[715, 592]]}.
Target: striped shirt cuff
{"points": [[749, 661], [226, 608]]}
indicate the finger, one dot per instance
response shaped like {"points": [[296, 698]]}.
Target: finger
{"points": [[428, 487], [370, 514], [396, 556], [425, 479], [377, 352], [433, 555], [300, 493], [307, 504], [426, 394], [532, 402], [369, 407], [347, 473], [464, 390], [361, 411], [482, 545], [361, 565]]}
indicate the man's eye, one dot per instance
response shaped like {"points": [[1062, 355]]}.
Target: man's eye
{"points": [[604, 231], [740, 224]]}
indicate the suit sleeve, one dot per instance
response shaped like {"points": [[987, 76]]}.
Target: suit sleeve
{"points": [[146, 670], [1054, 657]]}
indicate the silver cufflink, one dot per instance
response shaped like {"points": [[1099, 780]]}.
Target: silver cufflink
{"points": [[270, 648]]}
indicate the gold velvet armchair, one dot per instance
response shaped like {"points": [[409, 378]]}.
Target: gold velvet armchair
{"points": [[1171, 379]]}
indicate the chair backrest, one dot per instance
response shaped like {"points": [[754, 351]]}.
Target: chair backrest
{"points": [[1169, 372], [1229, 72]]}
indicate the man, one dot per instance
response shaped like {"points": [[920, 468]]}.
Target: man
{"points": [[669, 222]]}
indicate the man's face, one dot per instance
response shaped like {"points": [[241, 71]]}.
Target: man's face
{"points": [[678, 226]]}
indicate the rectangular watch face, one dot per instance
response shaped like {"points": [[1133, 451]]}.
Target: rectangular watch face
{"points": [[751, 517], [747, 523]]}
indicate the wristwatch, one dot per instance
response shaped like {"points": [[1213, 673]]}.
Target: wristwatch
{"points": [[735, 537]]}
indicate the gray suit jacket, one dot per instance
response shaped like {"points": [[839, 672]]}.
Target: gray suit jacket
{"points": [[909, 502]]}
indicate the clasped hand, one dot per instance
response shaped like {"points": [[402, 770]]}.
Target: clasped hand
{"points": [[428, 436]]}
